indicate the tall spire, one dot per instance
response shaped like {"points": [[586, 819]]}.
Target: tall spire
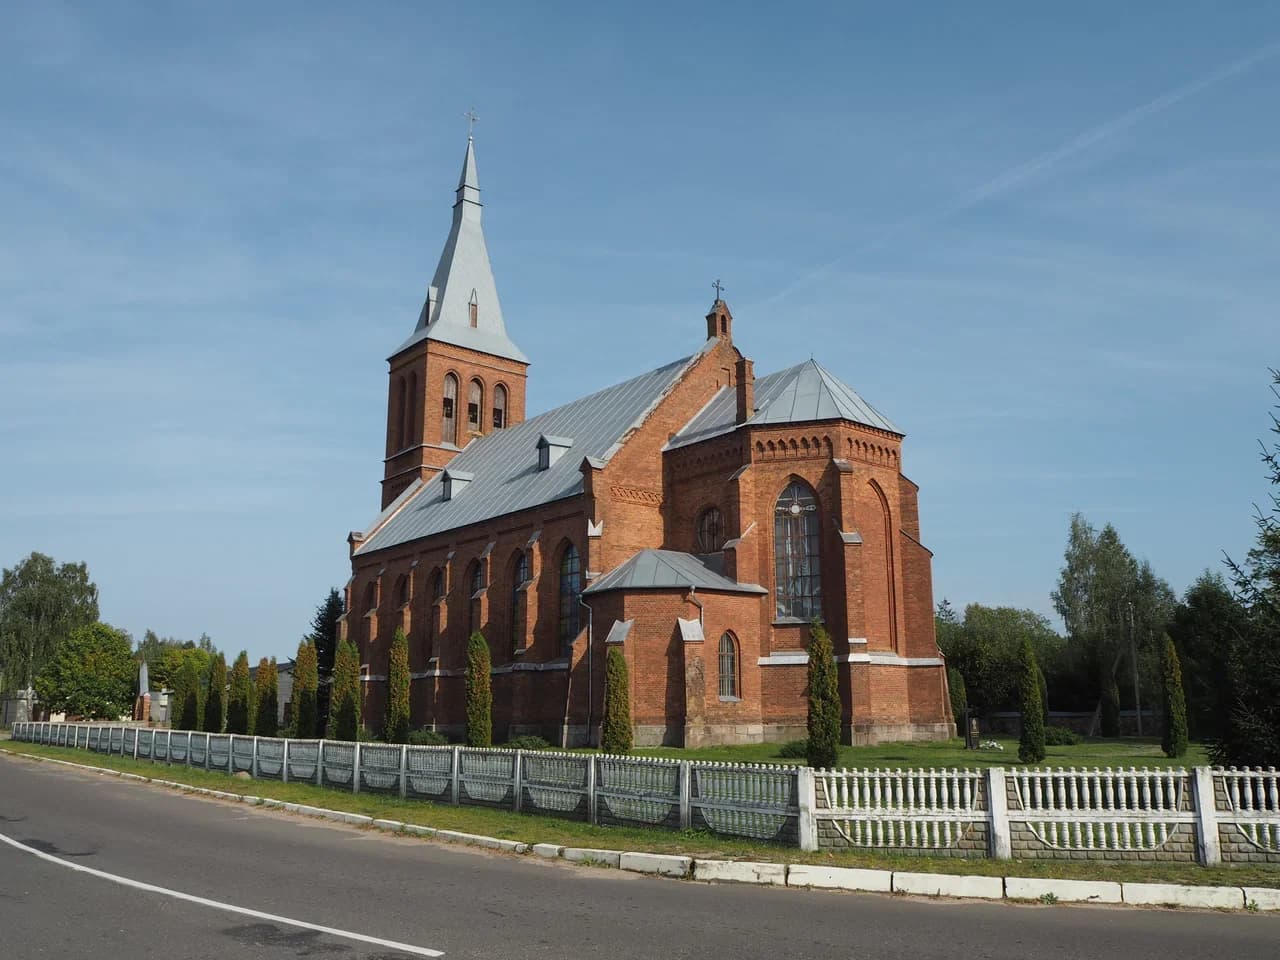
{"points": [[462, 304]]}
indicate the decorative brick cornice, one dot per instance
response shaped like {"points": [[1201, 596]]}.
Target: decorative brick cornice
{"points": [[639, 495]]}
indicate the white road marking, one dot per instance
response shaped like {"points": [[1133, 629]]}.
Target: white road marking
{"points": [[219, 905]]}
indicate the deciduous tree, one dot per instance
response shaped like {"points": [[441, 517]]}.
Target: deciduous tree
{"points": [[92, 674], [41, 603]]}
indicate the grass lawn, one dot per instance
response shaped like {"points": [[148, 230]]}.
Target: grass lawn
{"points": [[536, 829], [1130, 752]]}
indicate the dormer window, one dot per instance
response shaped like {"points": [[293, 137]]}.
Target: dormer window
{"points": [[551, 449], [473, 309], [455, 481]]}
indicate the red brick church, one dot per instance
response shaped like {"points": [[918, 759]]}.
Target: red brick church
{"points": [[696, 516]]}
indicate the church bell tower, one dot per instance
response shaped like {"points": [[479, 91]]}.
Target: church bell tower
{"points": [[459, 376]]}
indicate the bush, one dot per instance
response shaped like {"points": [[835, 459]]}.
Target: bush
{"points": [[1057, 736], [266, 718], [616, 736], [344, 703], [216, 699], [238, 700], [794, 750], [479, 693], [426, 738], [1031, 743], [1174, 740], [396, 729], [824, 700], [528, 742]]}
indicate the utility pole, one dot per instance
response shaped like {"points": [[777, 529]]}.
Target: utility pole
{"points": [[1133, 659]]}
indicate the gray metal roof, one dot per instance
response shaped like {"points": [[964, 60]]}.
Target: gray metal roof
{"points": [[464, 273], [659, 569], [805, 392], [505, 463]]}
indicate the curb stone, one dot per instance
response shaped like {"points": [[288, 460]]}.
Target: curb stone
{"points": [[798, 875]]}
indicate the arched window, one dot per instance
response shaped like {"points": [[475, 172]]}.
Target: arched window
{"points": [[519, 575], [400, 413], [797, 580], [499, 407], [449, 414], [371, 597], [710, 530], [411, 412], [475, 584], [437, 594], [475, 403], [402, 592], [570, 590], [728, 667]]}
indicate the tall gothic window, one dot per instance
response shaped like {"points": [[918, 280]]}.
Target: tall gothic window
{"points": [[499, 407], [402, 591], [728, 667], [475, 402], [519, 574], [570, 590], [475, 583], [797, 580], [449, 413], [710, 530], [437, 594]]}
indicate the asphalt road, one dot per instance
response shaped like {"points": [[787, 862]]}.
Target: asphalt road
{"points": [[472, 904]]}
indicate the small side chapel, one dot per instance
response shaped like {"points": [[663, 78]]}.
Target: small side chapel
{"points": [[697, 516]]}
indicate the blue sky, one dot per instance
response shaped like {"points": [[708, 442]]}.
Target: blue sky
{"points": [[1044, 243]]}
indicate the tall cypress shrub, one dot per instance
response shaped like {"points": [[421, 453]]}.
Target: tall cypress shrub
{"points": [[615, 737], [187, 692], [306, 682], [479, 693], [1110, 706], [959, 697], [238, 699], [1174, 740], [344, 703], [397, 723], [824, 699], [1031, 744], [266, 721], [216, 698]]}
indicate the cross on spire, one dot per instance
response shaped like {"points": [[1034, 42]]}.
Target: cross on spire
{"points": [[718, 288], [471, 122]]}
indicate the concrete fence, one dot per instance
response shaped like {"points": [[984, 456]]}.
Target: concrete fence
{"points": [[1205, 815]]}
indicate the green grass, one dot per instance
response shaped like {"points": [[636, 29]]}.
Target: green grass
{"points": [[1129, 752], [538, 829]]}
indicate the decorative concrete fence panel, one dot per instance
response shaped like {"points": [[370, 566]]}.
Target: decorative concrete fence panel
{"points": [[270, 758], [429, 773], [242, 754], [638, 791], [380, 767], [219, 751], [1247, 807], [486, 778], [304, 760], [198, 747], [339, 764], [179, 747], [160, 746], [744, 800], [556, 784], [935, 812], [146, 743], [128, 745]]}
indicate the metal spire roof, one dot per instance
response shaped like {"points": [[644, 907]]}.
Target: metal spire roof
{"points": [[799, 394], [462, 278]]}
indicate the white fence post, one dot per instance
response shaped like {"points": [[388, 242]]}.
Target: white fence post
{"points": [[231, 753], [686, 794], [517, 778], [284, 763], [320, 765], [355, 768], [136, 736], [1208, 848], [1001, 839], [593, 810], [455, 773], [253, 769], [404, 770], [806, 791], [208, 751]]}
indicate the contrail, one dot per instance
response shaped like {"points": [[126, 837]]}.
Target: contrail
{"points": [[1016, 176]]}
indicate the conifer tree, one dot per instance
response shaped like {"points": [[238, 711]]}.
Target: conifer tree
{"points": [[616, 737], [306, 681], [344, 705], [959, 697], [266, 721], [1174, 740], [397, 722], [1110, 707], [1031, 744], [824, 699], [240, 696], [216, 697], [187, 697], [479, 693]]}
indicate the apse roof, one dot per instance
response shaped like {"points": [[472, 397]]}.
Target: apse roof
{"points": [[666, 569]]}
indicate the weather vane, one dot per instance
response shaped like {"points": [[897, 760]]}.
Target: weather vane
{"points": [[471, 122], [718, 288]]}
